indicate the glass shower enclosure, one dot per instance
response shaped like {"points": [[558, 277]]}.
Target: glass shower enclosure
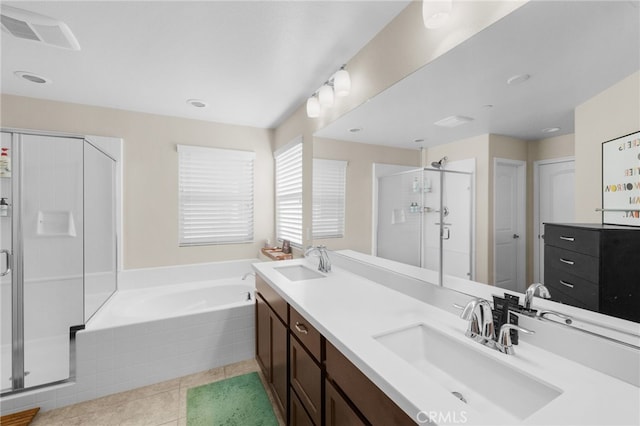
{"points": [[425, 219], [58, 242]]}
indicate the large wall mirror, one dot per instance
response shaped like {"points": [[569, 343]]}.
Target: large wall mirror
{"points": [[516, 112]]}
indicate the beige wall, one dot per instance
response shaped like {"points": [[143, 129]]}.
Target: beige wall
{"points": [[359, 202], [151, 172], [614, 112]]}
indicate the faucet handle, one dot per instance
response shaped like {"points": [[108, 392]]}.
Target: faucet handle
{"points": [[505, 345]]}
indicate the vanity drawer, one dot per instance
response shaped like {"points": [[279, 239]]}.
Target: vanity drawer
{"points": [[572, 238], [561, 283], [305, 332], [306, 380], [573, 263]]}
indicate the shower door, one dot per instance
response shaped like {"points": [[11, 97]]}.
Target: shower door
{"points": [[46, 243]]}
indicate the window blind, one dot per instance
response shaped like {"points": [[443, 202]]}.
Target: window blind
{"points": [[215, 195], [289, 194], [329, 189]]}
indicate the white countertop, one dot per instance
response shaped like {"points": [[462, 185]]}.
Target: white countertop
{"points": [[349, 310]]}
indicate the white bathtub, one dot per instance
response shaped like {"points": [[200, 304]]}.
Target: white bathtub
{"points": [[169, 301], [161, 324]]}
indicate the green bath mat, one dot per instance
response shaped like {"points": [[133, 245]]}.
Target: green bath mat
{"points": [[238, 401]]}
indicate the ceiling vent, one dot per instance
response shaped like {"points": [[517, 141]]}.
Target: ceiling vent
{"points": [[453, 121], [32, 26]]}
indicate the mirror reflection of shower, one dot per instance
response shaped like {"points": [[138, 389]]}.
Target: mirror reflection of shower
{"points": [[421, 213]]}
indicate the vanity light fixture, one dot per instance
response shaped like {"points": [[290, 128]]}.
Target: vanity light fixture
{"points": [[325, 95], [436, 13], [338, 85], [313, 107]]}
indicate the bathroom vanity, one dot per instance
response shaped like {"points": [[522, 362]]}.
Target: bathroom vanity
{"points": [[341, 348]]}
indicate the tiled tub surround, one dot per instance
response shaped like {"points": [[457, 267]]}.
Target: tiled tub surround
{"points": [[127, 356]]}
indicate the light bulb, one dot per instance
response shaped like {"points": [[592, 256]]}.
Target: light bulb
{"points": [[436, 12], [325, 95], [342, 83], [313, 107]]}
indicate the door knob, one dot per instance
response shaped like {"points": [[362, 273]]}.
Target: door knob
{"points": [[516, 236]]}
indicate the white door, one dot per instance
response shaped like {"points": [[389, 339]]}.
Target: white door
{"points": [[553, 201], [509, 221]]}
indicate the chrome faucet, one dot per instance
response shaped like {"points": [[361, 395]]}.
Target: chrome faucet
{"points": [[324, 264], [481, 328], [504, 344], [531, 291], [244, 277]]}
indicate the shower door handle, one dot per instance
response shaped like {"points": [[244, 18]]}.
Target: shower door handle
{"points": [[8, 260]]}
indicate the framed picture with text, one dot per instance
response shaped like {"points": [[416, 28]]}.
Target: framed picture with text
{"points": [[621, 180]]}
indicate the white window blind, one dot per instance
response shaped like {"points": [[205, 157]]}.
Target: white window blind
{"points": [[289, 194], [329, 188], [215, 195]]}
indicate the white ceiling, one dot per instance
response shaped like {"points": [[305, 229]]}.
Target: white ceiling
{"points": [[253, 62], [572, 50]]}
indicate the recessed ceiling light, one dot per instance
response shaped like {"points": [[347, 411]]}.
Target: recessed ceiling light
{"points": [[418, 140], [453, 121], [551, 129], [517, 79], [487, 106], [33, 78], [198, 103], [355, 129]]}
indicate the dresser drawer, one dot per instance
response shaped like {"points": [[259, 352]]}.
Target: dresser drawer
{"points": [[573, 263], [305, 332], [561, 283], [571, 238]]}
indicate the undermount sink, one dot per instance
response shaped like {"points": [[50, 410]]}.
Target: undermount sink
{"points": [[482, 382], [298, 273]]}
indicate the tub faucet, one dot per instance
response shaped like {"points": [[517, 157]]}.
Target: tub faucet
{"points": [[481, 328], [244, 277], [324, 264], [531, 291]]}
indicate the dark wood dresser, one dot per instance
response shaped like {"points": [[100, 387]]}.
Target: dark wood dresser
{"points": [[594, 266]]}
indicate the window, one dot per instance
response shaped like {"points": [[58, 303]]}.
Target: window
{"points": [[329, 187], [215, 195], [289, 192]]}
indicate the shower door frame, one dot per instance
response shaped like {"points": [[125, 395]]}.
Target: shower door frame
{"points": [[17, 258]]}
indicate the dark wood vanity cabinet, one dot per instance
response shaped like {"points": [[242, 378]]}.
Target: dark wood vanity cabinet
{"points": [[272, 342], [595, 267], [313, 382]]}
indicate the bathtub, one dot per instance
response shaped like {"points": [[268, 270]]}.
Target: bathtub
{"points": [[169, 301], [161, 324]]}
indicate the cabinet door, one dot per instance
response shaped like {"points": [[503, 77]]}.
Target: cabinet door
{"points": [[298, 415], [263, 337], [338, 411], [279, 344], [306, 379]]}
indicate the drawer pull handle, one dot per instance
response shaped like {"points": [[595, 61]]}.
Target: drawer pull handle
{"points": [[568, 262], [566, 284], [562, 237], [301, 328]]}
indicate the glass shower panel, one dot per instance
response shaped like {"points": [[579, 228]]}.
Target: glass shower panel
{"points": [[457, 229], [99, 229], [399, 218], [5, 264], [431, 218], [52, 231]]}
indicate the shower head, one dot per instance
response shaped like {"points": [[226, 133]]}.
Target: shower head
{"points": [[439, 164]]}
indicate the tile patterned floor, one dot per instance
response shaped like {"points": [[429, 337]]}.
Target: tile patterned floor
{"points": [[159, 404]]}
